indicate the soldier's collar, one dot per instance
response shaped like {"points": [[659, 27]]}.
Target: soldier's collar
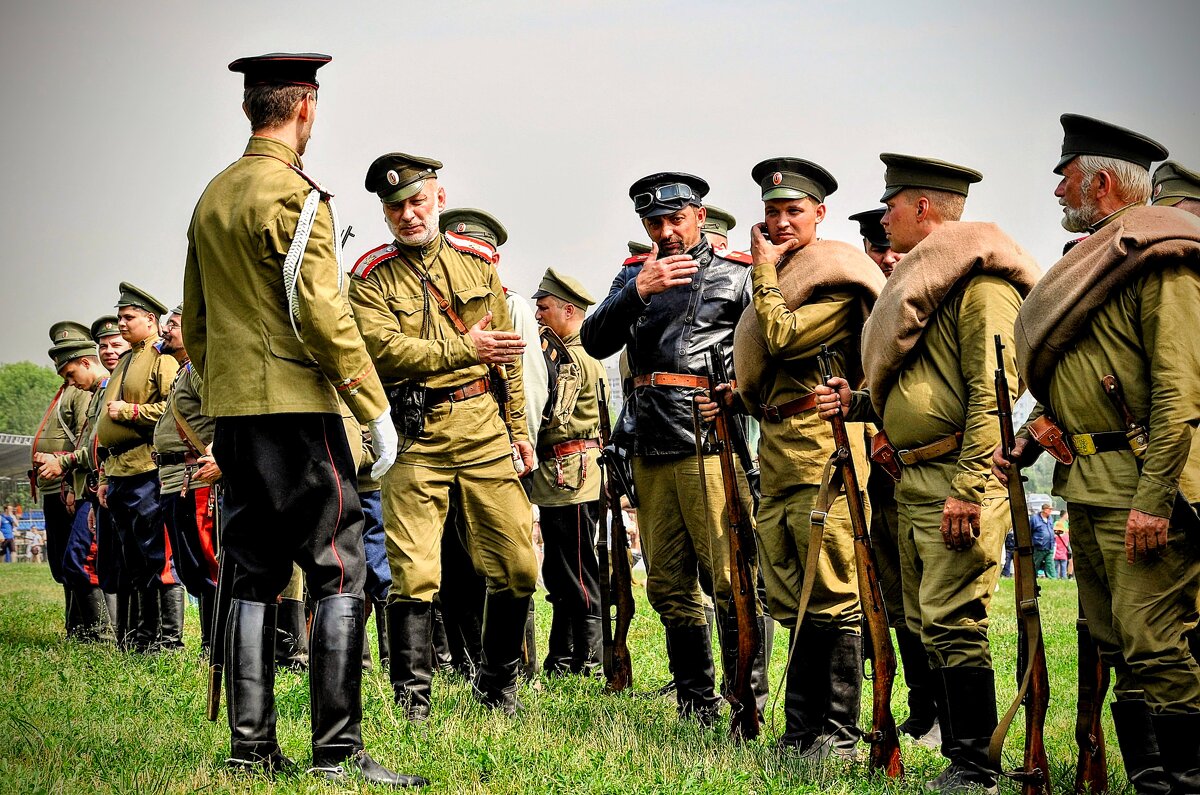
{"points": [[702, 252], [428, 250], [1106, 220], [261, 146]]}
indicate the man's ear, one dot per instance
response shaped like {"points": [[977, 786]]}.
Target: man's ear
{"points": [[820, 213], [246, 111], [922, 208], [1103, 183], [441, 198], [701, 214]]}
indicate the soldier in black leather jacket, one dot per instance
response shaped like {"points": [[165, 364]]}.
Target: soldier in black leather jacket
{"points": [[668, 309]]}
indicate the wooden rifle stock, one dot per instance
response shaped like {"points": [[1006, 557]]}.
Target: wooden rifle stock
{"points": [[744, 707], [1091, 772], [616, 589], [883, 737], [1034, 684]]}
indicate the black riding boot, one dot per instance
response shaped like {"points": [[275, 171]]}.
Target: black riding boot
{"points": [[149, 623], [504, 620], [727, 632], [112, 604], [529, 668], [442, 660], [839, 730], [806, 689], [689, 649], [366, 642], [560, 647], [171, 601], [291, 635], [410, 656], [1179, 743], [381, 632], [127, 620], [970, 698], [94, 624], [250, 688], [207, 605], [587, 638], [1139, 747], [72, 616], [922, 722], [335, 691]]}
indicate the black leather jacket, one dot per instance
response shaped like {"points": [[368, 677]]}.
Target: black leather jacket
{"points": [[670, 334]]}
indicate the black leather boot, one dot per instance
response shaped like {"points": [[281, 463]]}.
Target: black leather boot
{"points": [[207, 605], [922, 721], [112, 603], [970, 698], [806, 689], [171, 601], [529, 668], [127, 620], [381, 632], [442, 659], [504, 621], [94, 624], [250, 688], [291, 635], [1179, 744], [72, 617], [560, 647], [1139, 747], [727, 632], [367, 665], [587, 639], [839, 730], [335, 692], [410, 656], [690, 651], [149, 622]]}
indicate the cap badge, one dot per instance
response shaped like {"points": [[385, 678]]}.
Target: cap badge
{"points": [[1157, 190], [776, 178], [392, 177], [460, 228]]}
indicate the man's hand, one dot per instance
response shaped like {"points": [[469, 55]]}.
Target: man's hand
{"points": [[829, 397], [50, 469], [102, 495], [960, 523], [115, 407], [659, 275], [764, 252], [1145, 536], [208, 472], [386, 441], [91, 521], [495, 347], [1024, 453], [526, 451], [709, 408]]}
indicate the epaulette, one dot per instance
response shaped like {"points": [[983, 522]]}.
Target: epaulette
{"points": [[736, 256], [469, 245], [372, 258], [325, 195], [636, 259]]}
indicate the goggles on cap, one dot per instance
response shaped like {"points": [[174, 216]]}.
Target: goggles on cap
{"points": [[670, 192]]}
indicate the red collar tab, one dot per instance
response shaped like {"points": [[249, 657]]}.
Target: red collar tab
{"points": [[368, 261], [469, 245]]}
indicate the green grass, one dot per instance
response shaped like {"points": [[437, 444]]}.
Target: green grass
{"points": [[83, 719]]}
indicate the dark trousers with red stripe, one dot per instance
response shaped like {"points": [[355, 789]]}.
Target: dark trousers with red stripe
{"points": [[137, 516], [289, 495], [58, 529], [570, 567], [190, 527], [79, 555]]}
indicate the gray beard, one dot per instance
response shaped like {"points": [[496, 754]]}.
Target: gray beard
{"points": [[431, 232]]}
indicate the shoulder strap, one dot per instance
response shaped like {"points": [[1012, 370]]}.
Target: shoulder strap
{"points": [[442, 303], [63, 422], [367, 262], [635, 259], [469, 245], [185, 430], [45, 418], [735, 256]]}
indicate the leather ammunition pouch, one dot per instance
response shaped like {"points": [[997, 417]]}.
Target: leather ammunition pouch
{"points": [[1052, 439], [883, 453]]}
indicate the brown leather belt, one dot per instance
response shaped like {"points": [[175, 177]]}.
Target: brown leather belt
{"points": [[790, 409], [1102, 442], [569, 447], [671, 379], [458, 394], [171, 458], [928, 452]]}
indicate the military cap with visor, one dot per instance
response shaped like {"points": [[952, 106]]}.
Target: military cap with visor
{"points": [[104, 326], [666, 192], [68, 330], [474, 223], [1173, 183], [135, 296], [1083, 135], [564, 288], [793, 178], [870, 228], [396, 176], [69, 350], [717, 221], [909, 171], [281, 68]]}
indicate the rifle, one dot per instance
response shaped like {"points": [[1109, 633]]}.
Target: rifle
{"points": [[1091, 772], [615, 618], [1034, 689], [221, 604], [883, 738], [743, 585]]}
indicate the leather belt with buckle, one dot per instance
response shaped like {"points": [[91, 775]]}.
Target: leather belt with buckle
{"points": [[671, 379], [928, 452], [790, 409], [169, 459], [459, 393], [567, 448], [1103, 442]]}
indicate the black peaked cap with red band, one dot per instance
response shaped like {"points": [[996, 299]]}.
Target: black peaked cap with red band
{"points": [[281, 68]]}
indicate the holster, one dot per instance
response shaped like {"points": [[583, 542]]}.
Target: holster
{"points": [[407, 402], [1052, 439], [883, 453]]}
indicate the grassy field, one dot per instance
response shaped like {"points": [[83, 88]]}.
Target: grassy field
{"points": [[83, 719]]}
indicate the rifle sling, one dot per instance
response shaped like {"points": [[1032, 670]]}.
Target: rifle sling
{"points": [[831, 484]]}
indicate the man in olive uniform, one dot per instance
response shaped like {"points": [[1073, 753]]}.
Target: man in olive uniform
{"points": [[875, 240], [135, 398], [106, 332], [929, 357], [1176, 186], [566, 484], [183, 451], [114, 581], [275, 355], [1115, 305], [56, 434], [717, 223], [667, 311], [432, 312]]}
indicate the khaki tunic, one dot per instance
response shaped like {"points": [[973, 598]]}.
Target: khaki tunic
{"points": [[235, 319], [185, 394], [81, 462], [64, 419], [579, 472], [142, 378]]}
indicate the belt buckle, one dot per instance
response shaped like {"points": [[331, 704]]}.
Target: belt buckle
{"points": [[1084, 444], [654, 379], [906, 457], [154, 457], [771, 413]]}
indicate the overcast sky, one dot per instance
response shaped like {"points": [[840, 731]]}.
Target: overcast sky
{"points": [[116, 115]]}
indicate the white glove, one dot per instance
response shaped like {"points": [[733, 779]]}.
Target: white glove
{"points": [[386, 443]]}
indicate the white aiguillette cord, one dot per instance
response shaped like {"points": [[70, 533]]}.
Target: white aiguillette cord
{"points": [[295, 255]]}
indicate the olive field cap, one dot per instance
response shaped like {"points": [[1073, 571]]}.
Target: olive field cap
{"points": [[1173, 183], [1083, 135], [565, 288], [281, 68], [666, 192], [69, 350], [636, 249], [870, 228], [793, 178], [397, 176], [717, 221], [105, 326], [909, 171], [68, 330], [474, 223], [135, 296]]}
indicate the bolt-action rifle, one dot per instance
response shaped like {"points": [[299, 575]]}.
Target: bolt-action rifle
{"points": [[616, 589], [1091, 772]]}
